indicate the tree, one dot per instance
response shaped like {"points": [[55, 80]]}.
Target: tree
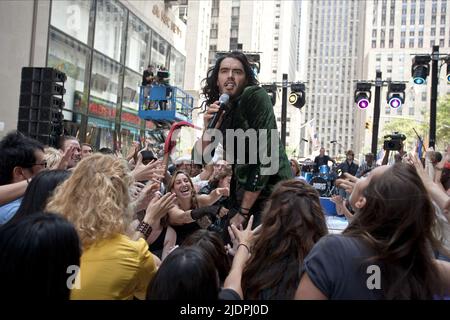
{"points": [[442, 122]]}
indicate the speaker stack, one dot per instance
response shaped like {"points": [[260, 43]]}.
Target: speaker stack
{"points": [[41, 103]]}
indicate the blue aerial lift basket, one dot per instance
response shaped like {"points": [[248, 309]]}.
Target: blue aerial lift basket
{"points": [[160, 102]]}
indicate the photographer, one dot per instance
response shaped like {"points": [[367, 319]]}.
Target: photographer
{"points": [[394, 142], [162, 79]]}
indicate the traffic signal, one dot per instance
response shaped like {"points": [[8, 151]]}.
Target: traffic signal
{"points": [[420, 68], [41, 103], [363, 94], [297, 97], [396, 94]]}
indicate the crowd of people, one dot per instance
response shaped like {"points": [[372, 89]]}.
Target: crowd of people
{"points": [[77, 223]]}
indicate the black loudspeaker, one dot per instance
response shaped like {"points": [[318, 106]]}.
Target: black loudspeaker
{"points": [[41, 103]]}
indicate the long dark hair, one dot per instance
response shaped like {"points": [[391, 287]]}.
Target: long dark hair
{"points": [[35, 254], [38, 191], [211, 243], [186, 274], [211, 90], [396, 223], [292, 223]]}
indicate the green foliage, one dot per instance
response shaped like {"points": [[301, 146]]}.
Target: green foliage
{"points": [[405, 126], [443, 122]]}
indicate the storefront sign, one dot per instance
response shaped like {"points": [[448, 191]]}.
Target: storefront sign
{"points": [[166, 20]]}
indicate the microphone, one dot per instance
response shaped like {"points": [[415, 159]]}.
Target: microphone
{"points": [[223, 100]]}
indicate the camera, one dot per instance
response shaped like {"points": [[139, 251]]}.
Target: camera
{"points": [[394, 141]]}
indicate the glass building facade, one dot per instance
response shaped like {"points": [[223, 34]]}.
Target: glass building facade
{"points": [[104, 48]]}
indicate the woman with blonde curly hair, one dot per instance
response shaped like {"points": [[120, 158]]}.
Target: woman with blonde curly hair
{"points": [[96, 200]]}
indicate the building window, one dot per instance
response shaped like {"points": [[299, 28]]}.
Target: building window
{"points": [[374, 44], [137, 49], [109, 26], [391, 43], [433, 32], [74, 23], [420, 43]]}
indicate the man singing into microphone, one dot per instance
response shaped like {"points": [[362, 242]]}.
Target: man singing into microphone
{"points": [[250, 111]]}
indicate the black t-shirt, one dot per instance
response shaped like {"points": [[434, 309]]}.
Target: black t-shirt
{"points": [[320, 161], [145, 76], [338, 267]]}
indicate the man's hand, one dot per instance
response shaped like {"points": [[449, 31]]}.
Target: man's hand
{"points": [[211, 110]]}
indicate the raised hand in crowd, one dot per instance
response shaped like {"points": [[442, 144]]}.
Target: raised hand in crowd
{"points": [[133, 151], [146, 194], [67, 155], [341, 207], [157, 208], [436, 192], [135, 190], [347, 182], [244, 239], [152, 171]]}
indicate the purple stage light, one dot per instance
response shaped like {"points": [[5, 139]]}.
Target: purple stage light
{"points": [[395, 103], [363, 103]]}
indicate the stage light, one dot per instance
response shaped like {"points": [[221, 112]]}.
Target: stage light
{"points": [[420, 68], [363, 94], [297, 97], [396, 94]]}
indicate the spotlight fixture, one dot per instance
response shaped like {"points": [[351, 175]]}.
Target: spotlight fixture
{"points": [[297, 97], [363, 94], [395, 96], [420, 68]]}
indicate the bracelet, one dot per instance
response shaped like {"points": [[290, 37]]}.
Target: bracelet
{"points": [[244, 245], [144, 228], [245, 215]]}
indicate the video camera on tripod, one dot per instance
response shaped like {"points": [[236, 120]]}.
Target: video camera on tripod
{"points": [[394, 141]]}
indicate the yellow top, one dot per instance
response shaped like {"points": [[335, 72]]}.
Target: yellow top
{"points": [[115, 268]]}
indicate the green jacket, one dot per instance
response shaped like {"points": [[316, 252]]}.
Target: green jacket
{"points": [[253, 110]]}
